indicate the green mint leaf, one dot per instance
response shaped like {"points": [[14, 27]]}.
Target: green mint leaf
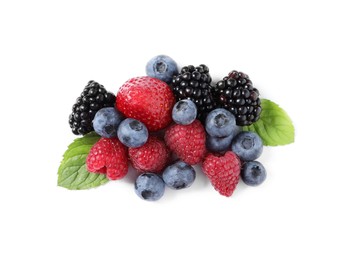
{"points": [[72, 173], [274, 126]]}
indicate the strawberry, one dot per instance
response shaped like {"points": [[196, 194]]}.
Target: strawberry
{"points": [[223, 171], [187, 141], [148, 100], [108, 156], [153, 156]]}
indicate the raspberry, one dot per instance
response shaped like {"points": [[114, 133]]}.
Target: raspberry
{"points": [[237, 94], [194, 83], [223, 172], [153, 156], [187, 141], [108, 156], [148, 100], [93, 98]]}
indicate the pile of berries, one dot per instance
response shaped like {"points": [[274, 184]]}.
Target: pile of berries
{"points": [[168, 121]]}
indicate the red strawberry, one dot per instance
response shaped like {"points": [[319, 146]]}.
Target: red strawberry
{"points": [[223, 172], [187, 141], [108, 156], [148, 100], [153, 156]]}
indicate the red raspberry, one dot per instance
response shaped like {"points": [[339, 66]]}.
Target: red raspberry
{"points": [[148, 100], [223, 172], [108, 156], [153, 156], [187, 141]]}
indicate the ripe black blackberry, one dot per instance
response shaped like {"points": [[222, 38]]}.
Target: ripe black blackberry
{"points": [[93, 98], [194, 83], [237, 94]]}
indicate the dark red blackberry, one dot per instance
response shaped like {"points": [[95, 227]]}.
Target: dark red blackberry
{"points": [[237, 94], [93, 98], [194, 83]]}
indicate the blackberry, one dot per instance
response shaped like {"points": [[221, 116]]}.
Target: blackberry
{"points": [[237, 94], [194, 83], [93, 98]]}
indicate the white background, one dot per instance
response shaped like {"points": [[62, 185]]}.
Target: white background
{"points": [[300, 54]]}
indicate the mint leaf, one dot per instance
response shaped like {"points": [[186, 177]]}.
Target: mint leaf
{"points": [[274, 126], [72, 173]]}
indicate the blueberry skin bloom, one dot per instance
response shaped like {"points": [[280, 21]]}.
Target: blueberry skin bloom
{"points": [[106, 122], [149, 186], [220, 123], [184, 112], [132, 133], [247, 145], [253, 173], [178, 176], [162, 67], [221, 144]]}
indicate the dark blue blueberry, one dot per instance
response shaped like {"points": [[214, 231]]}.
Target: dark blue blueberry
{"points": [[132, 133], [184, 112], [149, 186], [221, 144], [162, 67], [253, 173], [247, 145], [220, 123], [106, 121], [179, 175]]}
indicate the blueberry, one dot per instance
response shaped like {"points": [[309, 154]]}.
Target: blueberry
{"points": [[247, 145], [162, 67], [149, 186], [106, 121], [184, 112], [221, 144], [220, 123], [179, 175], [253, 173], [132, 133]]}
